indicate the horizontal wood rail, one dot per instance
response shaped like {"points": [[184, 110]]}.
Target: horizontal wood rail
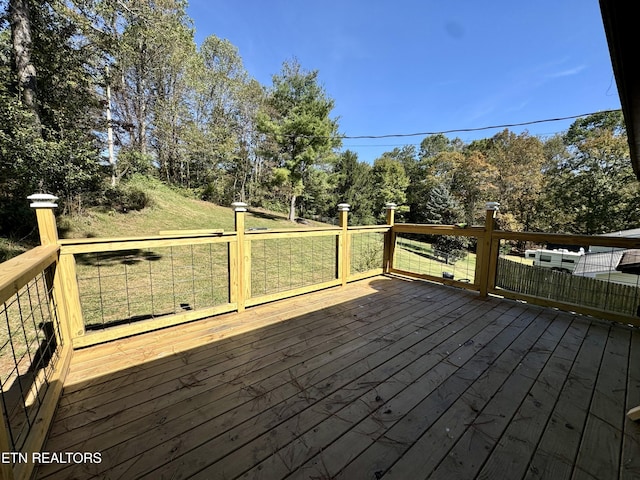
{"points": [[20, 270], [438, 230], [96, 245], [318, 258], [34, 320], [116, 259], [600, 291], [568, 239]]}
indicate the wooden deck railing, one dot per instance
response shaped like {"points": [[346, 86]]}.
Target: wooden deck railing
{"points": [[35, 349], [488, 269], [132, 285], [69, 294], [602, 297]]}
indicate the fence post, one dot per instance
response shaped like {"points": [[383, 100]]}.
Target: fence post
{"points": [[486, 250], [389, 238], [344, 247], [44, 204], [240, 259], [65, 282], [62, 287]]}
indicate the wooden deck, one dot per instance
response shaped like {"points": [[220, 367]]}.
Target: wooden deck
{"points": [[386, 378]]}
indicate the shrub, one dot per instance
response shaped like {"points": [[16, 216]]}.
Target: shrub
{"points": [[125, 198]]}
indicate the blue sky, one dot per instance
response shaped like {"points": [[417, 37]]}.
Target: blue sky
{"points": [[432, 65]]}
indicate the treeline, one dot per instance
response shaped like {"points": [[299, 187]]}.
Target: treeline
{"points": [[93, 92]]}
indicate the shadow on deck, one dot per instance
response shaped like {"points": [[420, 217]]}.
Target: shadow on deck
{"points": [[386, 378]]}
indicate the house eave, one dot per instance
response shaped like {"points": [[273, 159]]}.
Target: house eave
{"points": [[620, 25]]}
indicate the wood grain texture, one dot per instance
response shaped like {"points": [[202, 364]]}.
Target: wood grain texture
{"points": [[384, 378]]}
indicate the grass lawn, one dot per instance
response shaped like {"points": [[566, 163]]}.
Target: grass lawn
{"points": [[168, 210], [418, 257]]}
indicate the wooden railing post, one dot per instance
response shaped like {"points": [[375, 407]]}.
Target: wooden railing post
{"points": [[44, 204], [486, 253], [344, 247], [65, 283], [240, 259], [389, 238]]}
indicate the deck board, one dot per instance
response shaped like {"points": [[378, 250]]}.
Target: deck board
{"points": [[384, 378]]}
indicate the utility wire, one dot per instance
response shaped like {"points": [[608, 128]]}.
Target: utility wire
{"points": [[477, 129], [461, 130]]}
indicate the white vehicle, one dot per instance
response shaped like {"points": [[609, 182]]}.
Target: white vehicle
{"points": [[561, 260]]}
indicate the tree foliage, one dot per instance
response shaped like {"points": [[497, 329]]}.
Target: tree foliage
{"points": [[47, 137], [297, 117], [594, 186], [193, 117]]}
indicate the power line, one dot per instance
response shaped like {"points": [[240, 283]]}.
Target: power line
{"points": [[477, 129], [541, 136]]}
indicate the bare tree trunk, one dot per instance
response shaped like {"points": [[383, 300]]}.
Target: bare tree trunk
{"points": [[20, 19], [292, 209]]}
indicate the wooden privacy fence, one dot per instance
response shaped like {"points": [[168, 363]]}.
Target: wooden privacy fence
{"points": [[589, 296], [545, 283]]}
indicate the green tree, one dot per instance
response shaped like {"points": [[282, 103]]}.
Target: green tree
{"points": [[297, 119], [390, 183], [594, 186], [472, 183], [519, 162], [553, 216], [434, 144], [47, 142], [226, 104], [354, 185], [442, 209]]}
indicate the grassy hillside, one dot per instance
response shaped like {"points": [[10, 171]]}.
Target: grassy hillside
{"points": [[168, 209]]}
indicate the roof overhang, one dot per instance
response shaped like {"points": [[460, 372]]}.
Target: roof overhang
{"points": [[621, 27]]}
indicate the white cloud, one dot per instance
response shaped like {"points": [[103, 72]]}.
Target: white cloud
{"points": [[567, 72]]}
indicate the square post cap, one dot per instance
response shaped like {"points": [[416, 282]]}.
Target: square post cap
{"points": [[390, 206], [493, 206], [343, 207], [43, 200], [239, 206]]}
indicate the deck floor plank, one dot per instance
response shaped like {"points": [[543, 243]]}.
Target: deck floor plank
{"points": [[331, 405], [337, 440], [556, 453], [599, 452], [511, 456], [241, 386], [630, 454], [473, 409], [376, 460], [223, 359], [385, 378]]}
